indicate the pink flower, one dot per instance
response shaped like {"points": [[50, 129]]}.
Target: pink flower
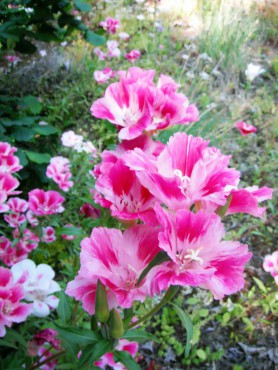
{"points": [[59, 171], [101, 55], [10, 255], [38, 285], [271, 265], [198, 256], [27, 241], [89, 211], [244, 128], [12, 59], [33, 221], [123, 194], [8, 184], [113, 50], [8, 161], [103, 76], [43, 203], [70, 139], [108, 358], [246, 200], [47, 336], [11, 309], [48, 234], [16, 206], [68, 236], [117, 260], [44, 354], [133, 55], [186, 172], [110, 25]]}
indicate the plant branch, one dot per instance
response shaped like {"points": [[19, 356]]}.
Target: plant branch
{"points": [[49, 359]]}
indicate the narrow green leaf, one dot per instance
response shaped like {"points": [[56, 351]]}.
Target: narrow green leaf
{"points": [[157, 260], [39, 158], [187, 323], [137, 335], [126, 359], [83, 337], [260, 284], [69, 231], [64, 309], [92, 353], [4, 343], [94, 39], [13, 336]]}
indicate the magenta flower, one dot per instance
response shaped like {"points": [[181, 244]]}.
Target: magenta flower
{"points": [[198, 256], [59, 171], [13, 59], [244, 128], [43, 203], [117, 260], [48, 234], [27, 241], [11, 309], [186, 172], [8, 161], [44, 337], [17, 207], [271, 265], [89, 211], [103, 76], [101, 55], [8, 184], [10, 255], [110, 25], [133, 55]]}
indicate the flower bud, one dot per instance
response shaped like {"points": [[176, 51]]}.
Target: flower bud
{"points": [[116, 325], [102, 309]]}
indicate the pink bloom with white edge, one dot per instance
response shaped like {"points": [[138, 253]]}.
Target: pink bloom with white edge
{"points": [[124, 36], [101, 55], [11, 309], [10, 255], [8, 184], [198, 256], [271, 265], [133, 55], [33, 221], [43, 203], [70, 139], [59, 171], [110, 25], [14, 219], [186, 172], [247, 200], [27, 240], [103, 76], [48, 234], [245, 129], [118, 260], [38, 285], [8, 161], [108, 358], [17, 206], [122, 192]]}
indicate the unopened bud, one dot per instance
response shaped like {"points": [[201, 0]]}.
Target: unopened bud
{"points": [[102, 309], [116, 325]]}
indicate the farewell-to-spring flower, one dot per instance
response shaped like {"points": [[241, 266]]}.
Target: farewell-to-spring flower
{"points": [[103, 76], [70, 139], [253, 70], [43, 203], [110, 25], [244, 128], [270, 265], [133, 55], [59, 171], [38, 285]]}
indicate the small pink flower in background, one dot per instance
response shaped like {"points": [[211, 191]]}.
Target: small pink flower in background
{"points": [[48, 235], [8, 161], [101, 55], [11, 309], [68, 236], [198, 256], [124, 36], [43, 203], [89, 211], [38, 285], [44, 354], [10, 255], [244, 128], [133, 55], [70, 139], [108, 358], [33, 221], [59, 171], [42, 338], [12, 59], [110, 25], [271, 265], [14, 219], [113, 50], [27, 241], [103, 76], [16, 206]]}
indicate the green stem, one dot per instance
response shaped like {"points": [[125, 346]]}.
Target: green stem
{"points": [[171, 292], [49, 359]]}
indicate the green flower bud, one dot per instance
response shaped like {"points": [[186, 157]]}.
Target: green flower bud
{"points": [[116, 325], [102, 310]]}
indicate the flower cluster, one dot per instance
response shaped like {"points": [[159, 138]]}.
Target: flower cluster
{"points": [[59, 171], [271, 265], [110, 25], [71, 140]]}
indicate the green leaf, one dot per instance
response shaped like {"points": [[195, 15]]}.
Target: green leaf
{"points": [[22, 121], [22, 157], [64, 309], [137, 335], [94, 39], [92, 353], [4, 343], [260, 284], [157, 260], [13, 336], [126, 359], [82, 6], [31, 103], [38, 157], [201, 354], [187, 323], [45, 130], [82, 337], [23, 133], [69, 231]]}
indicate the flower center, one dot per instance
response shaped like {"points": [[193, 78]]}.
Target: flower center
{"points": [[184, 181], [191, 256]]}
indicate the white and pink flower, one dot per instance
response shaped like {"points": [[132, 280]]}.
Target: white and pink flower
{"points": [[43, 203], [103, 76], [110, 25], [48, 234], [133, 55], [59, 171], [245, 129]]}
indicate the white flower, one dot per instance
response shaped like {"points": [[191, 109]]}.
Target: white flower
{"points": [[185, 56], [252, 71], [43, 53], [190, 75], [204, 76], [139, 1], [64, 43], [42, 123], [70, 139], [140, 17], [38, 285]]}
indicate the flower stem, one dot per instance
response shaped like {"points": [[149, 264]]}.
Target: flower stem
{"points": [[49, 359], [171, 292]]}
